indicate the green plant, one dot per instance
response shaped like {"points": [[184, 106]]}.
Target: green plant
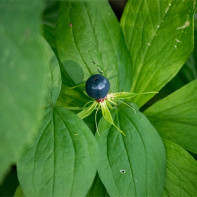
{"points": [[59, 154]]}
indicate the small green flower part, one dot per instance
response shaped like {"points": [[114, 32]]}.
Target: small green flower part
{"points": [[97, 87]]}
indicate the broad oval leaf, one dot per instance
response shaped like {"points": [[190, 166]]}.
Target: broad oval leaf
{"points": [[159, 35], [181, 173], [62, 161], [24, 58], [88, 37], [131, 165], [175, 116]]}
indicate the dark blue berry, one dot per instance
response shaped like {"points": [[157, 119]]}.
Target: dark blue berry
{"points": [[97, 86]]}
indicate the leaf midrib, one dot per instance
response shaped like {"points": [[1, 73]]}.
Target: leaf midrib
{"points": [[137, 74]]}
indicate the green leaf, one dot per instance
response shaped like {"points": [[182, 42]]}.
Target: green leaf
{"points": [[131, 165], [19, 192], [97, 189], [187, 74], [72, 97], [49, 19], [24, 57], [53, 81], [126, 95], [63, 151], [159, 35], [62, 161], [175, 117], [88, 36], [181, 174], [189, 71]]}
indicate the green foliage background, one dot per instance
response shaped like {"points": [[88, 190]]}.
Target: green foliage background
{"points": [[152, 48]]}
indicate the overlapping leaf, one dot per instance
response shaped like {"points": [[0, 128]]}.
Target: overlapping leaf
{"points": [[159, 35], [131, 165], [63, 151], [24, 57], [88, 37], [181, 172], [175, 117], [187, 73]]}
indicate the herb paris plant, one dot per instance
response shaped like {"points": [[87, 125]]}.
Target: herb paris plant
{"points": [[141, 53], [97, 87], [103, 43]]}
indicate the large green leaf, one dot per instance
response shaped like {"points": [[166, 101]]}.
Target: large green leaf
{"points": [[181, 174], [88, 36], [187, 73], [175, 116], [63, 151], [62, 160], [24, 57], [131, 165], [159, 35]]}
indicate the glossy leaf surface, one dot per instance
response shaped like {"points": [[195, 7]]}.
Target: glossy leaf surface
{"points": [[89, 37], [159, 35], [181, 172], [187, 73], [175, 116], [63, 152], [131, 165]]}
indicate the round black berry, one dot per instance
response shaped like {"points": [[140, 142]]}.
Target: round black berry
{"points": [[97, 86]]}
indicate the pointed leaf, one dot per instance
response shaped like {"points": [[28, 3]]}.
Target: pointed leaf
{"points": [[159, 35], [88, 37], [181, 174], [175, 116], [187, 73], [24, 58], [131, 165], [63, 152]]}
